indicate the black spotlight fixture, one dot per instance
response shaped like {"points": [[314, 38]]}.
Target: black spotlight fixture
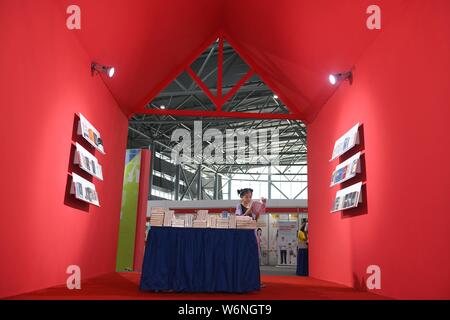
{"points": [[338, 77], [109, 71]]}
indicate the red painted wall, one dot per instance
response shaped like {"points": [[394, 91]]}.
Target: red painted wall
{"points": [[44, 80], [401, 94]]}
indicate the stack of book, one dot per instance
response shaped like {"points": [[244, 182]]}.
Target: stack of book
{"points": [[178, 223], [202, 214], [157, 210], [199, 223], [157, 219], [188, 220], [211, 222], [168, 216], [245, 222], [232, 221], [222, 223]]}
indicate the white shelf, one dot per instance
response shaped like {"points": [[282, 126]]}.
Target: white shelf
{"points": [[346, 170], [347, 198], [90, 134], [346, 142], [84, 190], [88, 162]]}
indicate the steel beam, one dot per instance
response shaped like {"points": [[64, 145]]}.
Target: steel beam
{"points": [[219, 114]]}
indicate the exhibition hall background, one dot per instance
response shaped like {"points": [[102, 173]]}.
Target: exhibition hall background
{"points": [[400, 94]]}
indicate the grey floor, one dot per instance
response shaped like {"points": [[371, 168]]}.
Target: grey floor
{"points": [[278, 271]]}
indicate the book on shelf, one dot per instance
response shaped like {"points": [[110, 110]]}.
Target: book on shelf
{"points": [[202, 214], [223, 223], [178, 223], [199, 224], [245, 222], [168, 217], [232, 221], [157, 219], [211, 222], [188, 220], [157, 210]]}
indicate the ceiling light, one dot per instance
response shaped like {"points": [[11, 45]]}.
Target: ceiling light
{"points": [[338, 77], [275, 96], [109, 71], [163, 107]]}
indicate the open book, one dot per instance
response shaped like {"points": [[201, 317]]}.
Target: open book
{"points": [[258, 207]]}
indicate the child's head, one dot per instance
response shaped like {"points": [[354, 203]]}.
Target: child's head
{"points": [[245, 194]]}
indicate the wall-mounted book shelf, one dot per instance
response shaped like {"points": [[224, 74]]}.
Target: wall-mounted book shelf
{"points": [[346, 170], [346, 142], [90, 134], [347, 198], [84, 190], [87, 162]]}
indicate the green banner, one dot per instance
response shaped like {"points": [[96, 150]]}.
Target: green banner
{"points": [[128, 212]]}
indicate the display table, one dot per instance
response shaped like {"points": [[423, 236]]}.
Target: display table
{"points": [[200, 260]]}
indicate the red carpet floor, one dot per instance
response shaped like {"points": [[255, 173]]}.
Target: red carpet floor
{"points": [[119, 286]]}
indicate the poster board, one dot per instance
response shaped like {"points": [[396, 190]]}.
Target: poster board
{"points": [[84, 190], [346, 170], [346, 142], [287, 243], [90, 134], [87, 162], [347, 198]]}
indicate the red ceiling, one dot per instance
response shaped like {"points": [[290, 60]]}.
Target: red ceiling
{"points": [[293, 45]]}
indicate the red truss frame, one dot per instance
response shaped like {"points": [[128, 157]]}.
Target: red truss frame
{"points": [[218, 100]]}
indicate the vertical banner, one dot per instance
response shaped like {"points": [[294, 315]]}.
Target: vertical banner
{"points": [[273, 232], [287, 243], [262, 233], [127, 228], [141, 220]]}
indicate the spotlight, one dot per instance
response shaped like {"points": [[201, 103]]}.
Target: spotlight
{"points": [[163, 107], [332, 79], [338, 77], [109, 71], [275, 96]]}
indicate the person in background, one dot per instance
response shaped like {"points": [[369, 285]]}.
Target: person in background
{"points": [[283, 250], [244, 208], [302, 264]]}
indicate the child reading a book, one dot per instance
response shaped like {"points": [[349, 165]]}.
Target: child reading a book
{"points": [[247, 206]]}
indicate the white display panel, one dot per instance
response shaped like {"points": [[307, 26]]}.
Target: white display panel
{"points": [[347, 198], [90, 134], [346, 170], [346, 142], [87, 162], [84, 190]]}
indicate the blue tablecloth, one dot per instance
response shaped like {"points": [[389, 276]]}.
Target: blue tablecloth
{"points": [[200, 260]]}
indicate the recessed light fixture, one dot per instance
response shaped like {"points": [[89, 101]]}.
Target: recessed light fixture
{"points": [[338, 77], [109, 71]]}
